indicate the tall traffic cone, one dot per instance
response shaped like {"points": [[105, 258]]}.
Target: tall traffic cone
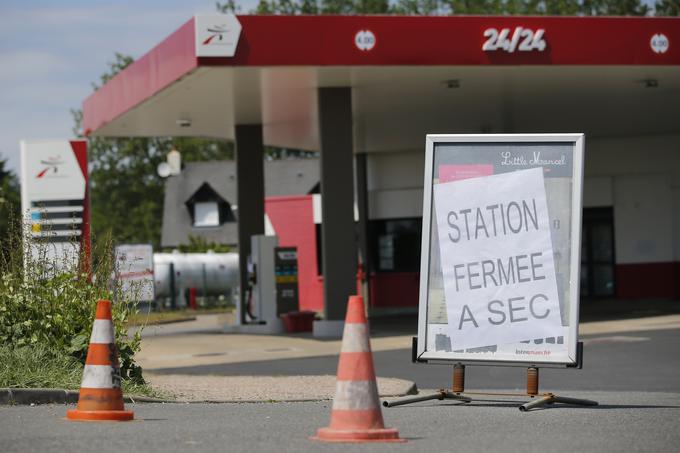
{"points": [[101, 397], [356, 414]]}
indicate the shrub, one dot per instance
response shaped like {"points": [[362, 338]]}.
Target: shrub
{"points": [[47, 303]]}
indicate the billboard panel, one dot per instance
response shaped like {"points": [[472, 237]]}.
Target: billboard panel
{"points": [[501, 249]]}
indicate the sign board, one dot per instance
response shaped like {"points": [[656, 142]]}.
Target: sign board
{"points": [[216, 35], [54, 199], [500, 260], [134, 270], [286, 271]]}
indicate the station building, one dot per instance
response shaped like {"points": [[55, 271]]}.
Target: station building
{"points": [[364, 91]]}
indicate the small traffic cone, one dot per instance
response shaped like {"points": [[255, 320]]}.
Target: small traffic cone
{"points": [[101, 397], [356, 414]]}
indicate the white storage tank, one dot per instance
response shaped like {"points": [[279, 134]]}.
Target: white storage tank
{"points": [[212, 274]]}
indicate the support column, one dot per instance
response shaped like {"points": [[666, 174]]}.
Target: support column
{"points": [[249, 196], [362, 207], [337, 205]]}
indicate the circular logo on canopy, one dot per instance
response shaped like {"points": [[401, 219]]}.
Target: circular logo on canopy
{"points": [[364, 40], [659, 43]]}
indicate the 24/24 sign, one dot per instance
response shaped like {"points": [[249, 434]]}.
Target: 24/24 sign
{"points": [[522, 40]]}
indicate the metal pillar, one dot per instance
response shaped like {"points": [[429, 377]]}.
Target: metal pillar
{"points": [[337, 200], [362, 207], [249, 196]]}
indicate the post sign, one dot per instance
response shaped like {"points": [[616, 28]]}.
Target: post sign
{"points": [[54, 199], [500, 253], [134, 270]]}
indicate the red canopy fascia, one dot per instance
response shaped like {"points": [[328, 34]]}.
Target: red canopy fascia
{"points": [[400, 41]]}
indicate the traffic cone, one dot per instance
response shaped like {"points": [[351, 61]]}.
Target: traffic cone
{"points": [[356, 414], [101, 397]]}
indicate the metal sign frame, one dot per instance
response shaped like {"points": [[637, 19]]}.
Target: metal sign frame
{"points": [[577, 143]]}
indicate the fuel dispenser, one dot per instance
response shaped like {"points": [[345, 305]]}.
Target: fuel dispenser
{"points": [[286, 271], [272, 286]]}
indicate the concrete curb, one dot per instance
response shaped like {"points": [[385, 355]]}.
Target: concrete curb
{"points": [[10, 396], [59, 396], [411, 390]]}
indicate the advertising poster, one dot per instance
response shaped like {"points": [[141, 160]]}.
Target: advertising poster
{"points": [[500, 249], [134, 270]]}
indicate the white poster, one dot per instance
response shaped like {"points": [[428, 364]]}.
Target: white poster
{"points": [[134, 269], [497, 259]]}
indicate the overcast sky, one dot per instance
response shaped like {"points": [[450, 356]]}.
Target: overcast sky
{"points": [[51, 51]]}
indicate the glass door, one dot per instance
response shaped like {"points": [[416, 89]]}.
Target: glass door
{"points": [[597, 253]]}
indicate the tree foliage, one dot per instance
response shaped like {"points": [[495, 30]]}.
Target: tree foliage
{"points": [[126, 193], [667, 8], [449, 7], [198, 244]]}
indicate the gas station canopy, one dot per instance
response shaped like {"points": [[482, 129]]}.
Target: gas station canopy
{"points": [[358, 87], [408, 75]]}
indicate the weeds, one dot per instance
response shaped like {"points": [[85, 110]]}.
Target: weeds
{"points": [[47, 304]]}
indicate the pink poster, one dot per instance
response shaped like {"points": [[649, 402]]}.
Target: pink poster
{"points": [[449, 172]]}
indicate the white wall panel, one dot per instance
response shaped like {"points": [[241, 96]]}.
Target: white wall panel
{"points": [[395, 204], [643, 218], [598, 192]]}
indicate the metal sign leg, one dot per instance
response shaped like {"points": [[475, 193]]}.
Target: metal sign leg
{"points": [[550, 399], [459, 387], [440, 395]]}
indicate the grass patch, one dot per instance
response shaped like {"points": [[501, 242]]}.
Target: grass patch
{"points": [[39, 367], [163, 317], [159, 317]]}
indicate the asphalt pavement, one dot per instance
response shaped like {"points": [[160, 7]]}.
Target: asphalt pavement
{"points": [[646, 361], [633, 373], [631, 422]]}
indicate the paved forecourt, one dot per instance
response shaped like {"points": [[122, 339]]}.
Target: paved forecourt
{"points": [[627, 421]]}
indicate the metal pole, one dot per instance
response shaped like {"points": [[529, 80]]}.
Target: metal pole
{"points": [[458, 378], [416, 399], [173, 299], [532, 381]]}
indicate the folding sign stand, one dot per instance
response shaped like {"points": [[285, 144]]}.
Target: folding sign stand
{"points": [[458, 391]]}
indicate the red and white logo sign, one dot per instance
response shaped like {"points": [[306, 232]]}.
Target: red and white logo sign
{"points": [[51, 164], [50, 171], [217, 35], [659, 43], [364, 40]]}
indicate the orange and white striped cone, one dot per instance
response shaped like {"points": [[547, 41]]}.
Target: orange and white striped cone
{"points": [[101, 397], [356, 414]]}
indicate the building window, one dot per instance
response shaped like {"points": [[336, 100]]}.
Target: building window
{"points": [[208, 209], [206, 214], [396, 244], [598, 263]]}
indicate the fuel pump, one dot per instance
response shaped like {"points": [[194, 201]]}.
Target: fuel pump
{"points": [[260, 301]]}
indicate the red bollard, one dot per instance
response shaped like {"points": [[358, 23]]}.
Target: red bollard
{"points": [[192, 298], [360, 278]]}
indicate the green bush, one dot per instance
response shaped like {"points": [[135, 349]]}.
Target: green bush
{"points": [[46, 303]]}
